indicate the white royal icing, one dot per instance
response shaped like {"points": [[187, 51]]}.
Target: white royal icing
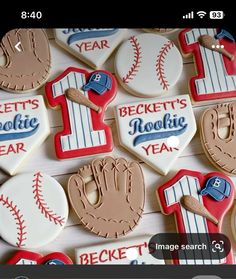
{"points": [[115, 253], [149, 128], [33, 210], [148, 65], [24, 125], [92, 45]]}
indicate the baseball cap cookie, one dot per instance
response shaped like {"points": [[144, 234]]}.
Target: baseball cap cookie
{"points": [[33, 210], [147, 65], [91, 45]]}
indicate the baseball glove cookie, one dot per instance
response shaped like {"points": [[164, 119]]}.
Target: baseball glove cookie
{"points": [[28, 60], [121, 194], [218, 136]]}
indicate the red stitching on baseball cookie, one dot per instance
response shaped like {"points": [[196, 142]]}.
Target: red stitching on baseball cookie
{"points": [[137, 60], [160, 64], [18, 218], [41, 203]]}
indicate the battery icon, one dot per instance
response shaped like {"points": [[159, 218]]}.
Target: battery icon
{"points": [[216, 14]]}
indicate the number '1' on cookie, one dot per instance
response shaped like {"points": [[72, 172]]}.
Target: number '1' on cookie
{"points": [[157, 130], [199, 203], [216, 65], [83, 98]]}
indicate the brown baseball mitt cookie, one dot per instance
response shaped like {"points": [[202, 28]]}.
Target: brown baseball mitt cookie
{"points": [[218, 136], [121, 195], [28, 60]]}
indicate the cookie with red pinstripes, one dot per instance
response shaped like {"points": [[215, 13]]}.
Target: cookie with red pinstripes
{"points": [[147, 65], [33, 210]]}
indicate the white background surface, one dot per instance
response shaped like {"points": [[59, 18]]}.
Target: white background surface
{"points": [[44, 159]]}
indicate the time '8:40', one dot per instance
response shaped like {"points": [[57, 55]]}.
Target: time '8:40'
{"points": [[33, 15]]}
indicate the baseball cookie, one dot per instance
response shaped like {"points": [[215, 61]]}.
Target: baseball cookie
{"points": [[28, 60], [215, 66], [24, 257], [147, 65], [24, 126], [158, 130], [121, 195], [218, 136], [33, 210], [91, 45], [199, 203], [83, 98], [133, 251]]}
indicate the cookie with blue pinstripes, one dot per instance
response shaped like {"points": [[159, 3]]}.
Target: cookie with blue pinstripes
{"points": [[84, 131], [120, 196]]}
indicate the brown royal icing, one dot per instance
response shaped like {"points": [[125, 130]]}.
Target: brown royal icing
{"points": [[221, 149], [121, 195], [27, 65]]}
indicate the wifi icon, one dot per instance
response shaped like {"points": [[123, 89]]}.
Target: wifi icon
{"points": [[201, 14]]}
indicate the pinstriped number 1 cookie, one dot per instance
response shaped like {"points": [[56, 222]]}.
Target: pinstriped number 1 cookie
{"points": [[33, 210], [148, 65]]}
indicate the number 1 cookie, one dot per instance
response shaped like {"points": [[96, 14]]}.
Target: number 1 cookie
{"points": [[147, 65], [207, 198], [83, 98], [28, 60], [216, 73]]}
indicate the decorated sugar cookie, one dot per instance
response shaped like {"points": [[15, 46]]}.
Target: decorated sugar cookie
{"points": [[33, 210], [24, 257], [163, 31], [83, 98], [147, 65], [218, 136], [157, 130], [24, 125], [199, 203], [216, 66], [91, 45], [121, 193], [116, 253], [28, 60]]}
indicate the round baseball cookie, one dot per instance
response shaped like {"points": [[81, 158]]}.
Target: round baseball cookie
{"points": [[147, 65], [33, 210], [28, 60], [120, 196], [218, 137]]}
